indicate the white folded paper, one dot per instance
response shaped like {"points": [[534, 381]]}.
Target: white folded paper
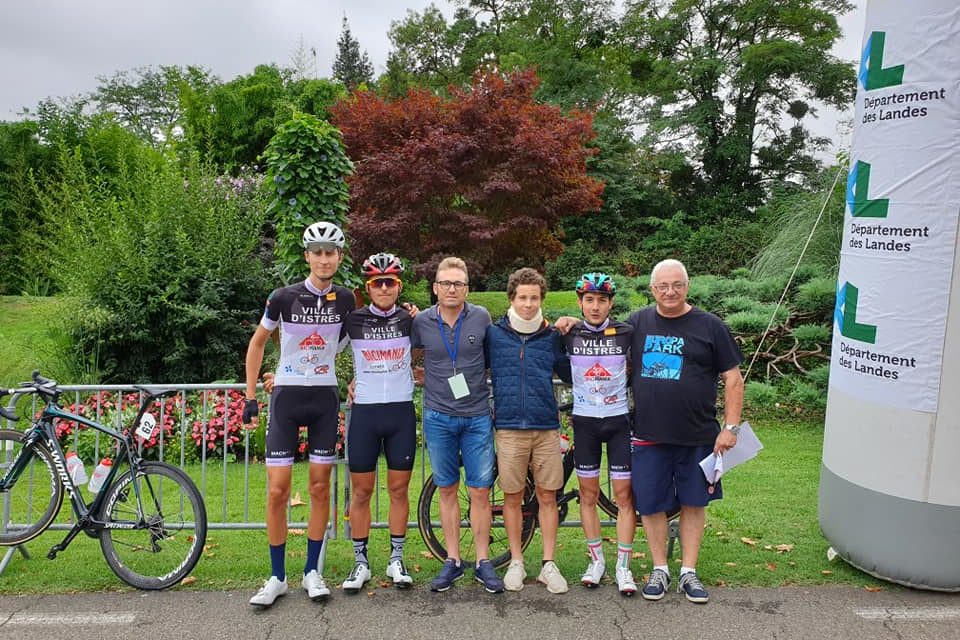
{"points": [[747, 447]]}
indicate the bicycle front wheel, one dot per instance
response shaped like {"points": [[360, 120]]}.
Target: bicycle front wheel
{"points": [[431, 530], [32, 500], [170, 526]]}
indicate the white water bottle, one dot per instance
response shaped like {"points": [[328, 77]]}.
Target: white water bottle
{"points": [[99, 474], [75, 468]]}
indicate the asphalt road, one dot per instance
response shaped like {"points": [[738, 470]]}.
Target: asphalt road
{"points": [[467, 611]]}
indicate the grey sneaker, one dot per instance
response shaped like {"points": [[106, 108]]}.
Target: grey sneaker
{"points": [[690, 586], [513, 578], [657, 585], [550, 575], [271, 590], [594, 574], [315, 586]]}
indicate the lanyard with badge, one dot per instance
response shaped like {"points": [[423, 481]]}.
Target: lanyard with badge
{"points": [[458, 383]]}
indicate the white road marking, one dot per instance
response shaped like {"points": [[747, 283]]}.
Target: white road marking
{"points": [[71, 618], [919, 614]]}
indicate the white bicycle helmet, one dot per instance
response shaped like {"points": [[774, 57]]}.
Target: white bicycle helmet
{"points": [[323, 233]]}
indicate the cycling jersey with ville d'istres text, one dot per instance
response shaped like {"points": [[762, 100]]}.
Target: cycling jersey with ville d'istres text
{"points": [[310, 324], [598, 363], [381, 355]]}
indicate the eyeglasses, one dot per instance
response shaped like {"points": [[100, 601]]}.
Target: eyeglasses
{"points": [[389, 283], [451, 284], [663, 287]]}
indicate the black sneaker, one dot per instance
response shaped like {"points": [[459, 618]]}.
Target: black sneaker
{"points": [[691, 587], [450, 572], [488, 577], [656, 586]]}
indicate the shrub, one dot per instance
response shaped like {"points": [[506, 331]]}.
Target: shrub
{"points": [[806, 394], [817, 297], [810, 335], [760, 394], [576, 259], [820, 376], [161, 263], [753, 322], [733, 304]]}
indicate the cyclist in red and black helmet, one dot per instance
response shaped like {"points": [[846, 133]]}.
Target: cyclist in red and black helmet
{"points": [[383, 415]]}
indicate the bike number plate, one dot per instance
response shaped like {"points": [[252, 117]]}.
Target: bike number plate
{"points": [[147, 423]]}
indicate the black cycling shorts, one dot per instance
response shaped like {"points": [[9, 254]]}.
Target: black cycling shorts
{"points": [[390, 427], [589, 434], [318, 409]]}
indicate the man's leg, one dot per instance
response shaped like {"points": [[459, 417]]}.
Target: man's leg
{"points": [[655, 528], [480, 520], [692, 520], [278, 493], [361, 490], [513, 522], [319, 500]]}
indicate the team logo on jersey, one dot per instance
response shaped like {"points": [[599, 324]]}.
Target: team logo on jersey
{"points": [[471, 339], [322, 370], [377, 355], [597, 372], [610, 331], [313, 342], [331, 296]]}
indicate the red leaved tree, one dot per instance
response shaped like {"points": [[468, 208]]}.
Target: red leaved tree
{"points": [[486, 174]]}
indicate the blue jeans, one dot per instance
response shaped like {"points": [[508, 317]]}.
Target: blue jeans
{"points": [[452, 438]]}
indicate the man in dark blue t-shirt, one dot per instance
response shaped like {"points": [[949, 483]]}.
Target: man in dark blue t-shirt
{"points": [[678, 353]]}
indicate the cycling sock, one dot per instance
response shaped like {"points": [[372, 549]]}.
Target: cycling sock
{"points": [[313, 556], [360, 551], [396, 547], [277, 563], [595, 547], [624, 551]]}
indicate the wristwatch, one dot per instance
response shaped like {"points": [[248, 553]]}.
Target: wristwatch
{"points": [[734, 429]]}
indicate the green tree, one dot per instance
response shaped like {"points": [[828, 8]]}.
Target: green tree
{"points": [[714, 79], [148, 100], [350, 66], [307, 169]]}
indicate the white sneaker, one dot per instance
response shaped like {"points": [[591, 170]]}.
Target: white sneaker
{"points": [[271, 590], [550, 575], [357, 578], [594, 574], [513, 578], [315, 586], [625, 582], [398, 573]]}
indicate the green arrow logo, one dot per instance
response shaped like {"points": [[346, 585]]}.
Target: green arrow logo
{"points": [[872, 74], [858, 188]]}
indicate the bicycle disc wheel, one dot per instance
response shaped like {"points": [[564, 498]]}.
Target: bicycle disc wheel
{"points": [[171, 526], [30, 505], [428, 521]]}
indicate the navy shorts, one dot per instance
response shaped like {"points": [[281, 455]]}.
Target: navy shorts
{"points": [[390, 427], [589, 434], [317, 408], [666, 476]]}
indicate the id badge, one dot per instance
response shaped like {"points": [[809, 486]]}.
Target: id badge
{"points": [[458, 385]]}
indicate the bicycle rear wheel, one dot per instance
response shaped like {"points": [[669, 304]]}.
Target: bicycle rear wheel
{"points": [[428, 521], [32, 502], [171, 526]]}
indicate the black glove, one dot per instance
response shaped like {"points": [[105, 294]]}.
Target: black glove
{"points": [[251, 409]]}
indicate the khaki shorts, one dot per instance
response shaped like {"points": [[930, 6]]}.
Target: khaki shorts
{"points": [[537, 450]]}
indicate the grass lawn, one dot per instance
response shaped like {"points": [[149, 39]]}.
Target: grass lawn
{"points": [[29, 336], [764, 533]]}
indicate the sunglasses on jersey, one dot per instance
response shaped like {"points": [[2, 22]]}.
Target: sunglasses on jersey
{"points": [[389, 283]]}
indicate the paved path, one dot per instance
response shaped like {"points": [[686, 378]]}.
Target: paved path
{"points": [[468, 612]]}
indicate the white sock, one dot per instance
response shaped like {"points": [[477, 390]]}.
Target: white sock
{"points": [[663, 568], [684, 570]]}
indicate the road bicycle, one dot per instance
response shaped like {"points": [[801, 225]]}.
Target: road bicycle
{"points": [[428, 513], [150, 518]]}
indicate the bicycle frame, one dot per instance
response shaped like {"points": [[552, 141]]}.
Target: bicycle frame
{"points": [[44, 431]]}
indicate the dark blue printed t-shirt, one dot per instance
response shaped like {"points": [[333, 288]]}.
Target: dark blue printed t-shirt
{"points": [[676, 367]]}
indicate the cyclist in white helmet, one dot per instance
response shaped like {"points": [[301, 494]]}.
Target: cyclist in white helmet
{"points": [[310, 315]]}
